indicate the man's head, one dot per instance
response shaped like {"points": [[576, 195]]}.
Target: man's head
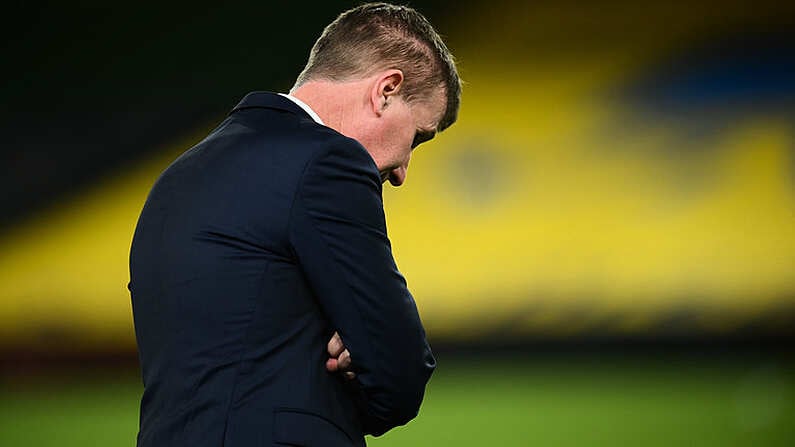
{"points": [[381, 74]]}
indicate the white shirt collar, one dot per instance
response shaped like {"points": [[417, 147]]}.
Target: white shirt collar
{"points": [[304, 106]]}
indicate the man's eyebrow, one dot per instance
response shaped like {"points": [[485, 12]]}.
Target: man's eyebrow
{"points": [[422, 136]]}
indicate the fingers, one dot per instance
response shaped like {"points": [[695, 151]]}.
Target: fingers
{"points": [[335, 346], [343, 363], [332, 365], [340, 363], [344, 360], [337, 352], [340, 358]]}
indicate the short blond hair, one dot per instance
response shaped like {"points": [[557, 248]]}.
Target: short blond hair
{"points": [[380, 36]]}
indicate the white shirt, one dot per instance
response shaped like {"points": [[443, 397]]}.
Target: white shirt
{"points": [[304, 106]]}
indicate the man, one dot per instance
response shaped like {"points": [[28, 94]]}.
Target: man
{"points": [[268, 308]]}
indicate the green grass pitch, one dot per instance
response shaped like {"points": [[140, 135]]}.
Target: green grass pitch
{"points": [[524, 401]]}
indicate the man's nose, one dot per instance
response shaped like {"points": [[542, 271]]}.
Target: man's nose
{"points": [[397, 176]]}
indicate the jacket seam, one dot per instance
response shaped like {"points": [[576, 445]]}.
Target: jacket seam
{"points": [[239, 363], [310, 413]]}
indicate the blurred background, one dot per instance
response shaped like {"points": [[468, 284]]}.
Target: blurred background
{"points": [[602, 248]]}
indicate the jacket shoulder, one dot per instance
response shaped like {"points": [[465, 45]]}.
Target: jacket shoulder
{"points": [[327, 142]]}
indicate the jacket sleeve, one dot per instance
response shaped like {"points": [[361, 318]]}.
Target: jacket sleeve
{"points": [[338, 232]]}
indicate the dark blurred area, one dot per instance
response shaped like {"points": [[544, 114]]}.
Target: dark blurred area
{"points": [[88, 86]]}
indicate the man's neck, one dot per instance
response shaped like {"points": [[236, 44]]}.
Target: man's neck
{"points": [[334, 102], [304, 106]]}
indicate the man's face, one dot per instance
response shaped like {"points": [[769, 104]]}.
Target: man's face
{"points": [[402, 127]]}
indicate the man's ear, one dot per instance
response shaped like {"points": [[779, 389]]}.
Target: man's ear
{"points": [[386, 87]]}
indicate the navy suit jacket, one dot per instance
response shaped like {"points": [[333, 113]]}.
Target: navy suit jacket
{"points": [[253, 247]]}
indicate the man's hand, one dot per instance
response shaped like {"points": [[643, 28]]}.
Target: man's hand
{"points": [[339, 357]]}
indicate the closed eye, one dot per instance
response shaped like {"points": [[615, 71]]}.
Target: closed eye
{"points": [[422, 136]]}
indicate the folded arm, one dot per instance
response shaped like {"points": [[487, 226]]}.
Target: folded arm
{"points": [[338, 232]]}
